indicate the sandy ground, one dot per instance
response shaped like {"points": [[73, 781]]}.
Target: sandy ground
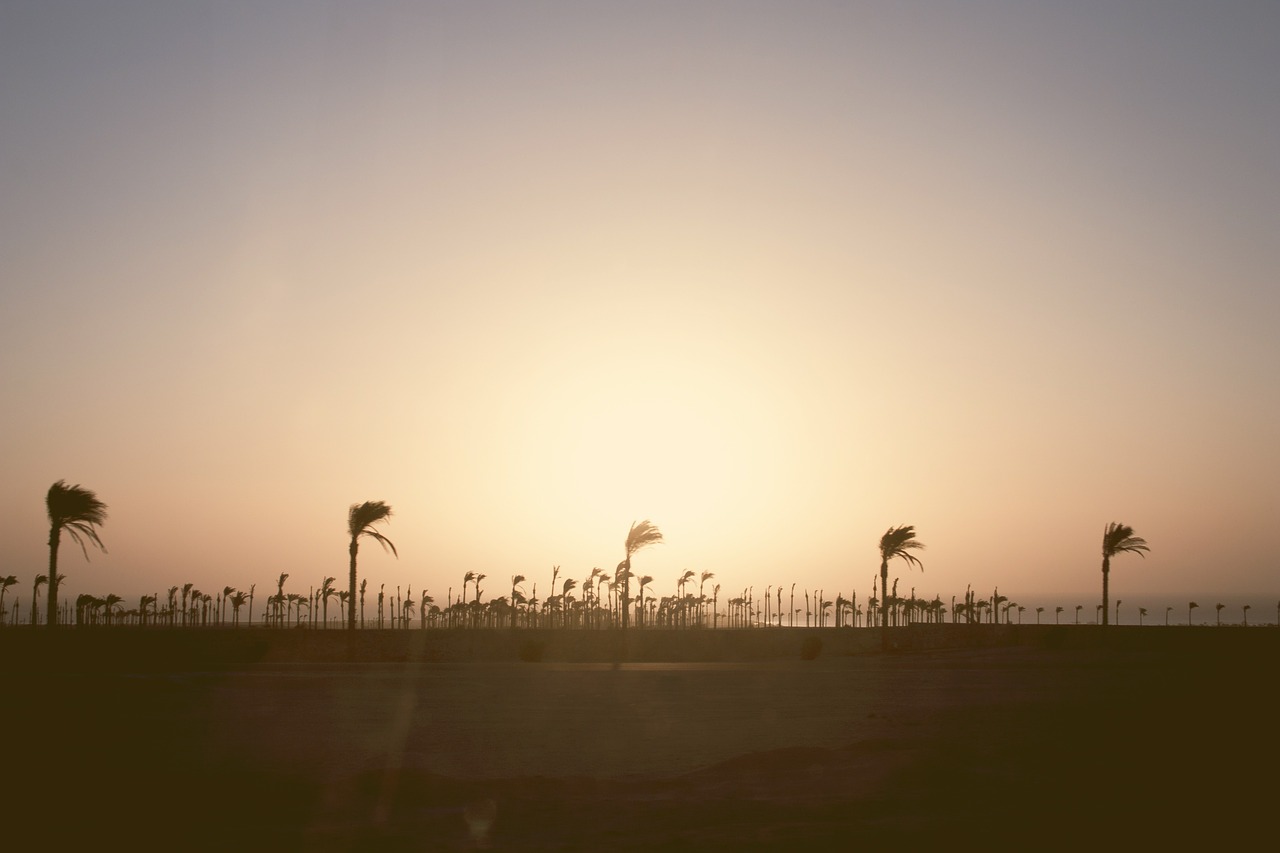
{"points": [[997, 747]]}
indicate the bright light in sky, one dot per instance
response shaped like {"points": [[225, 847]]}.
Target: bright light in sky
{"points": [[774, 276]]}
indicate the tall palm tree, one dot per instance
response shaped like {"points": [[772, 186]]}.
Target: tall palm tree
{"points": [[1191, 605], [79, 512], [1117, 539], [641, 535], [5, 583], [896, 542], [1219, 607], [360, 521]]}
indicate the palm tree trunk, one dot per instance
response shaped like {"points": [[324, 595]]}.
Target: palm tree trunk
{"points": [[51, 616], [351, 586], [1106, 577], [884, 611]]}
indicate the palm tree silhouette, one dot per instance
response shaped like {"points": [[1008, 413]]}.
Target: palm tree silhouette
{"points": [[1142, 612], [516, 594], [1117, 539], [360, 521], [1191, 605], [5, 583], [641, 535], [1079, 607], [1040, 610], [1057, 614], [35, 596], [1245, 611], [326, 592], [1118, 603], [702, 599], [1219, 607], [79, 512], [238, 599], [896, 542], [1167, 611]]}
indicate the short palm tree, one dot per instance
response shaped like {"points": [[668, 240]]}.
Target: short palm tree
{"points": [[516, 595], [1117, 539], [35, 595], [360, 521], [1142, 614], [5, 583], [1191, 605], [1245, 612], [1057, 613], [79, 512], [641, 535], [326, 592], [238, 599], [1218, 607], [896, 542]]}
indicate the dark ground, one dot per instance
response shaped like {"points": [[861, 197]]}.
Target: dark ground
{"points": [[1067, 742]]}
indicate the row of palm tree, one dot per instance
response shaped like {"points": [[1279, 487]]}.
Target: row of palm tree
{"points": [[78, 512]]}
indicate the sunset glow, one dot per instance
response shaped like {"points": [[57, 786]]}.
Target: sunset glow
{"points": [[774, 276]]}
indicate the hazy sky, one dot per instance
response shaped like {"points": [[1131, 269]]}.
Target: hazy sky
{"points": [[775, 276]]}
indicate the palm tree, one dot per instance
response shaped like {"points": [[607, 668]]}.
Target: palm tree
{"points": [[1118, 603], [1246, 615], [641, 534], [1142, 613], [1057, 615], [1079, 607], [1167, 611], [702, 600], [5, 583], [1219, 607], [516, 594], [896, 542], [364, 582], [644, 581], [79, 512], [360, 521], [35, 595], [1039, 610], [1117, 539], [1191, 605], [326, 592], [238, 598], [280, 599]]}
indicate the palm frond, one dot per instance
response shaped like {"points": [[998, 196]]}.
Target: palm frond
{"points": [[642, 534], [900, 542], [1119, 538]]}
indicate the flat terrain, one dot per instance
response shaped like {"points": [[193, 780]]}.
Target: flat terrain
{"points": [[1026, 740]]}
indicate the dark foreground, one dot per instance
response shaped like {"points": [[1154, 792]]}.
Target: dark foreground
{"points": [[1067, 742]]}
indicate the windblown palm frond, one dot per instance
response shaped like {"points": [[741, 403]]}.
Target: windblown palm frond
{"points": [[362, 517], [78, 511], [900, 542], [1119, 538], [642, 534]]}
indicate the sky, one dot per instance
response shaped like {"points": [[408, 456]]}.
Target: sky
{"points": [[775, 276]]}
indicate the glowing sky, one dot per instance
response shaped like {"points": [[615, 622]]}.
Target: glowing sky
{"points": [[774, 275]]}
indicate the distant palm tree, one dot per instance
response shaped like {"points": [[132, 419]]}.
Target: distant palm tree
{"points": [[702, 599], [643, 580], [1118, 602], [35, 595], [641, 535], [1079, 607], [896, 542], [1246, 615], [360, 521], [281, 602], [364, 582], [1117, 539], [238, 599], [1057, 613], [1219, 607], [516, 580], [326, 592], [1040, 610], [5, 583], [79, 512], [1142, 612], [1191, 605], [1167, 611]]}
